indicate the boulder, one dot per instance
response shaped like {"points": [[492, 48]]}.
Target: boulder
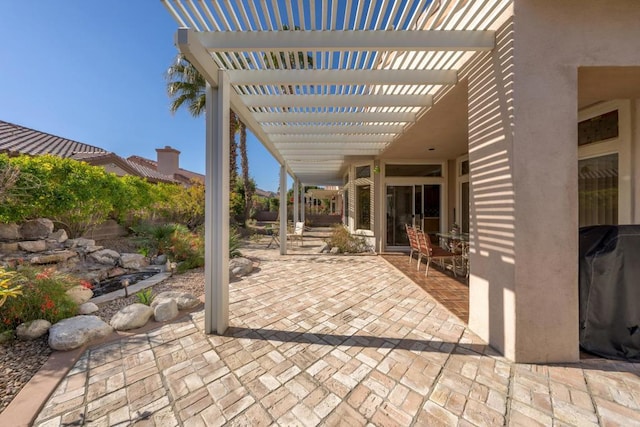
{"points": [[33, 246], [7, 248], [131, 317], [160, 260], [87, 308], [106, 257], [165, 310], [183, 299], [92, 248], [335, 250], [116, 271], [59, 256], [79, 294], [59, 236], [240, 266], [32, 330], [10, 232], [80, 242], [76, 331], [36, 229], [324, 248], [133, 261]]}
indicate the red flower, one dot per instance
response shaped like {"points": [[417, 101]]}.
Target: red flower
{"points": [[86, 284]]}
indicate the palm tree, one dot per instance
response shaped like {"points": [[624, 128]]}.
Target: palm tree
{"points": [[186, 86]]}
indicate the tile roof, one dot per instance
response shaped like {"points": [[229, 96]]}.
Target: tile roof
{"points": [[182, 174], [19, 139]]}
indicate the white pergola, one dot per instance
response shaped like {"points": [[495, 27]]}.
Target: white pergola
{"points": [[320, 83]]}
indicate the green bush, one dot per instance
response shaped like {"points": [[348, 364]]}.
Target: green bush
{"points": [[145, 296], [43, 297]]}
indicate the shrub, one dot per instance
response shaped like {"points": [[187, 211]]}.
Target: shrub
{"points": [[8, 286], [347, 243], [43, 297], [145, 296]]}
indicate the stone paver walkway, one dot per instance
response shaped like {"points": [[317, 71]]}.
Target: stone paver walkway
{"points": [[332, 340]]}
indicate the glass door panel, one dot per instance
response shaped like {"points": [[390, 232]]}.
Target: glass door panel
{"points": [[431, 211], [399, 213], [598, 190]]}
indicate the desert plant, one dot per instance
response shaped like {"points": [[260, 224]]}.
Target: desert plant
{"points": [[8, 285], [345, 241], [43, 297], [145, 296], [234, 243]]}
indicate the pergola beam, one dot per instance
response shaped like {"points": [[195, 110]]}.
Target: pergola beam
{"points": [[336, 101], [343, 77], [333, 130], [340, 138], [370, 40], [366, 116]]}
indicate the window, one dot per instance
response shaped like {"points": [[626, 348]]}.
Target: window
{"points": [[363, 207], [346, 206], [464, 168], [363, 171], [598, 128], [413, 170], [598, 190]]}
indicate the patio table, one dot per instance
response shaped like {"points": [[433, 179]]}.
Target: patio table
{"points": [[458, 243]]}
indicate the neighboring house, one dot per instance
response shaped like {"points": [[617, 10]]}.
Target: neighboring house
{"points": [[16, 139], [168, 163], [519, 120]]}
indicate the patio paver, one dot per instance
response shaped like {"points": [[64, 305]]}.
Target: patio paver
{"points": [[332, 340]]}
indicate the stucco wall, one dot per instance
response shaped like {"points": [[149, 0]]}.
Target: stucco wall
{"points": [[523, 154]]}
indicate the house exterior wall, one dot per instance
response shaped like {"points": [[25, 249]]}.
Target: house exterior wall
{"points": [[523, 153]]}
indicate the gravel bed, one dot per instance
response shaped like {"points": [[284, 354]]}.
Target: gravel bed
{"points": [[20, 360]]}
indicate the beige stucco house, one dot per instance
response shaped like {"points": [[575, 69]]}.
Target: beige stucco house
{"points": [[519, 120]]}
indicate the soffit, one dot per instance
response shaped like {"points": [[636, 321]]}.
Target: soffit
{"points": [[349, 81]]}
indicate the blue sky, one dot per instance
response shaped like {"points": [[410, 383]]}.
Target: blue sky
{"points": [[93, 71]]}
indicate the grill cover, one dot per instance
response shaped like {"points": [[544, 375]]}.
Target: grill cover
{"points": [[610, 291]]}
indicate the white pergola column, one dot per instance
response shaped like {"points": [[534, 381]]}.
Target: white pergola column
{"points": [[216, 306], [303, 205], [283, 210], [296, 200]]}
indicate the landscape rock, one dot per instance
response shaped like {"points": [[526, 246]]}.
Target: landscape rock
{"points": [[116, 271], [183, 299], [131, 317], [6, 248], [87, 308], [106, 257], [79, 294], [76, 331], [36, 229], [60, 256], [324, 248], [240, 266], [92, 248], [60, 236], [32, 330], [10, 232], [133, 261], [33, 246], [80, 242], [160, 260], [166, 310], [335, 250]]}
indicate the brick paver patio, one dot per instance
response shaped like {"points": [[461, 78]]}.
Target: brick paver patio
{"points": [[332, 340]]}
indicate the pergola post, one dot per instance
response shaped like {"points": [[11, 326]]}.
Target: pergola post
{"points": [[296, 200], [283, 210], [303, 205], [216, 306]]}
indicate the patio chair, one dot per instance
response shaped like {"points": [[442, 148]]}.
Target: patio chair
{"points": [[413, 243], [298, 233], [434, 252]]}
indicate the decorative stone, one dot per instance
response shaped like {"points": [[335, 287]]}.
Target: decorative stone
{"points": [[324, 248], [183, 299], [131, 317], [166, 310], [76, 331], [60, 256], [335, 250], [79, 294], [6, 336], [160, 260], [87, 308], [116, 271], [36, 229], [106, 257], [80, 242], [92, 248], [32, 330], [33, 246], [240, 266], [60, 236], [10, 232], [133, 261], [6, 248]]}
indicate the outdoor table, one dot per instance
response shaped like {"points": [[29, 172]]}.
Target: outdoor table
{"points": [[458, 243], [274, 237]]}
